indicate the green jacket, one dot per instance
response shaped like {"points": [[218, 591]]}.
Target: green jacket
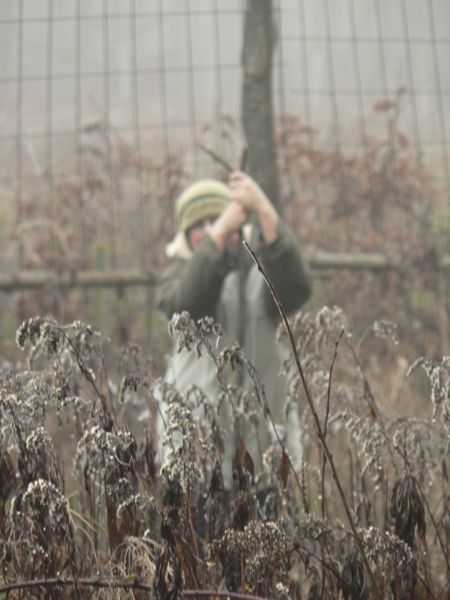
{"points": [[208, 285]]}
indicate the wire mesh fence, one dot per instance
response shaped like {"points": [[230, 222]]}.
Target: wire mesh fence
{"points": [[103, 105]]}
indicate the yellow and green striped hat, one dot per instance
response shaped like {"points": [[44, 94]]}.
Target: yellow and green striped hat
{"points": [[205, 198]]}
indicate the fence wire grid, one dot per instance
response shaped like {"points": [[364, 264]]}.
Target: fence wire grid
{"points": [[117, 86]]}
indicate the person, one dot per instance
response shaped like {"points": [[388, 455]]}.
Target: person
{"points": [[205, 280]]}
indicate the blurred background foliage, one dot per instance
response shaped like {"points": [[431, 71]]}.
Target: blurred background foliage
{"points": [[104, 106]]}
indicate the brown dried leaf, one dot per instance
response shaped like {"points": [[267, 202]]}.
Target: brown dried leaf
{"points": [[353, 583], [408, 510], [114, 537], [284, 468], [384, 105]]}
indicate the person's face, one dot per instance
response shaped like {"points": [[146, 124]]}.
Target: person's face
{"points": [[198, 231]]}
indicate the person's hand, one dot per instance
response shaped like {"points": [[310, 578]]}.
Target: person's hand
{"points": [[224, 231], [246, 192]]}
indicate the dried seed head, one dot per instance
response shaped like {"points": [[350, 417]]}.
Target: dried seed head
{"points": [[386, 329], [330, 322], [439, 376], [265, 547], [370, 440], [233, 356], [131, 383], [388, 555]]}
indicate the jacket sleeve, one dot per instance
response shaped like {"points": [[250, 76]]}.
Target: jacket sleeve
{"points": [[194, 285], [286, 270]]}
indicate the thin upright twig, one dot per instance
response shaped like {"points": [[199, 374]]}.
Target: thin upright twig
{"points": [[319, 429], [324, 458], [325, 428], [435, 526]]}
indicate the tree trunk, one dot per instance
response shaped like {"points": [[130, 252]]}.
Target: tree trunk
{"points": [[257, 111]]}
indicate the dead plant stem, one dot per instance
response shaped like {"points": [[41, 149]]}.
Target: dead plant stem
{"points": [[327, 414], [319, 430], [441, 543], [117, 584], [324, 461]]}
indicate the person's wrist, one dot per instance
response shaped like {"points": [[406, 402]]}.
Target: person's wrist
{"points": [[219, 229], [266, 209], [268, 219], [219, 235]]}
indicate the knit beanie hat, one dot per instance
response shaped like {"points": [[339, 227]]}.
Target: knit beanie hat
{"points": [[205, 198]]}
